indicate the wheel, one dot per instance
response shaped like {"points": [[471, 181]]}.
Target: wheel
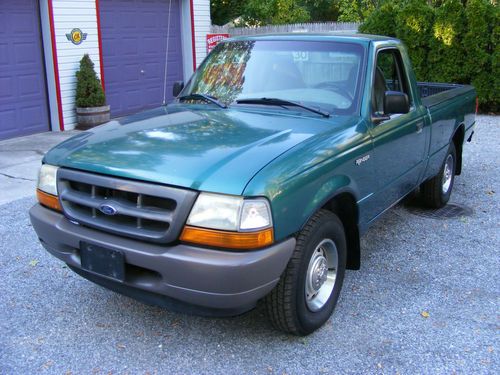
{"points": [[436, 192], [310, 286]]}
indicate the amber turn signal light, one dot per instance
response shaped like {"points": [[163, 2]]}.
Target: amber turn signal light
{"points": [[48, 200], [228, 240]]}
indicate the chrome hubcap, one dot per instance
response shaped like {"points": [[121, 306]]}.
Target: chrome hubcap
{"points": [[321, 275], [447, 174]]}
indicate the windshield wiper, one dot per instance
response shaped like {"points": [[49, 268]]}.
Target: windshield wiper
{"points": [[281, 102], [205, 97]]}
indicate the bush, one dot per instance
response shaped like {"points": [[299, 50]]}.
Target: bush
{"points": [[446, 54], [89, 92], [447, 41], [494, 104], [477, 42], [414, 26], [382, 21]]}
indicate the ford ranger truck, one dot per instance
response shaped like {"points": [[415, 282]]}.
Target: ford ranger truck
{"points": [[258, 180]]}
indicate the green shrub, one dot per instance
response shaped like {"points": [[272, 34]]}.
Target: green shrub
{"points": [[382, 20], [447, 41], [446, 53], [414, 26], [89, 92], [494, 104], [480, 15]]}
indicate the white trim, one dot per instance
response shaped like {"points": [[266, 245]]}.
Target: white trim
{"points": [[49, 66], [187, 51]]}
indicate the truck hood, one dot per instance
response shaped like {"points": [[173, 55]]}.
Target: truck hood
{"points": [[208, 150]]}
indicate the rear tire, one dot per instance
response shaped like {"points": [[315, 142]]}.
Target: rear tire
{"points": [[436, 192], [309, 288]]}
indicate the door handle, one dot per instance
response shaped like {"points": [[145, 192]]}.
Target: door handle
{"points": [[420, 127]]}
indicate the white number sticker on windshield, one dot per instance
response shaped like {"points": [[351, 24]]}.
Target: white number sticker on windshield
{"points": [[300, 56]]}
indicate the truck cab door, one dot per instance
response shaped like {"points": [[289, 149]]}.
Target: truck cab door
{"points": [[399, 139]]}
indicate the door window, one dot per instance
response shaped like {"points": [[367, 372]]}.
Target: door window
{"points": [[389, 76]]}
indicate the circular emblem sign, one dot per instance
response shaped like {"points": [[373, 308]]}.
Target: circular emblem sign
{"points": [[76, 36], [107, 209]]}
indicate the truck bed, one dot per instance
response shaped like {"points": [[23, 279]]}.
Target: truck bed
{"points": [[435, 93]]}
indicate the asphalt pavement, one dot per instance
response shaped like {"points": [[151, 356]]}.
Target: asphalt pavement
{"points": [[426, 301]]}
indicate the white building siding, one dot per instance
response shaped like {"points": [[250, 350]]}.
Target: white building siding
{"points": [[70, 14], [202, 24]]}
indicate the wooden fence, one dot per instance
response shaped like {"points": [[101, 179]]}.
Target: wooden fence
{"points": [[296, 27]]}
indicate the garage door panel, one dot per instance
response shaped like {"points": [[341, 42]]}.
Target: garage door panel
{"points": [[4, 54], [9, 119], [134, 36], [29, 85], [6, 87], [22, 22], [23, 102], [151, 45], [30, 116]]}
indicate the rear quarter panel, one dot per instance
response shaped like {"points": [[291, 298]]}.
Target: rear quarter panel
{"points": [[448, 110]]}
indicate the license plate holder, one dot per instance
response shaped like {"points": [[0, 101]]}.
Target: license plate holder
{"points": [[103, 261]]}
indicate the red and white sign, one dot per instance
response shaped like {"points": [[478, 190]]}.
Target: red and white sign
{"points": [[214, 39]]}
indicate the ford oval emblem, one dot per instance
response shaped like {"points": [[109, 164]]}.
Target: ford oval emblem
{"points": [[106, 209]]}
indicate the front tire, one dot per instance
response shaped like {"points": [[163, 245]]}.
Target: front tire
{"points": [[436, 192], [309, 288]]}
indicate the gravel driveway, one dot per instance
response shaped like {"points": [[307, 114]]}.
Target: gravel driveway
{"points": [[426, 300]]}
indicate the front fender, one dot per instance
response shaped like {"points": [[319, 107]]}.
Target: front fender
{"points": [[304, 179]]}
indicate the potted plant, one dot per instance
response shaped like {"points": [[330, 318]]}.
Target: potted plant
{"points": [[91, 108]]}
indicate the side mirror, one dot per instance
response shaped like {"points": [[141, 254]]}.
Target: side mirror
{"points": [[396, 102], [178, 86]]}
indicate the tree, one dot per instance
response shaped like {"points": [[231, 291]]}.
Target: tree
{"points": [[446, 52], [274, 12], [382, 20], [89, 92], [356, 10], [322, 10], [224, 11]]}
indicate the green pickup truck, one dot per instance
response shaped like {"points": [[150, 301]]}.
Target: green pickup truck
{"points": [[257, 182]]}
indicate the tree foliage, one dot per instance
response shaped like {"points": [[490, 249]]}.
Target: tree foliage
{"points": [[448, 41], [274, 12], [224, 11], [446, 52], [382, 21], [89, 92], [356, 10]]}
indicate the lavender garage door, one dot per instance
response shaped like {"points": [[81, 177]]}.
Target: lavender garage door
{"points": [[23, 95], [134, 38]]}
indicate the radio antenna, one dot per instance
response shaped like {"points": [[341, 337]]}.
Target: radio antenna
{"points": [[166, 54]]}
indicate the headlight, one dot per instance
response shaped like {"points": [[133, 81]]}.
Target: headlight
{"points": [[47, 179], [227, 212], [216, 211], [229, 222]]}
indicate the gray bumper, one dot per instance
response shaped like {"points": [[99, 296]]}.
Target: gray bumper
{"points": [[204, 277]]}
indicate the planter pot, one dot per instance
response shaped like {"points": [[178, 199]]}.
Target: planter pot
{"points": [[89, 117]]}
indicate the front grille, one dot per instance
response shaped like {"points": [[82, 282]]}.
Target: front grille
{"points": [[134, 209]]}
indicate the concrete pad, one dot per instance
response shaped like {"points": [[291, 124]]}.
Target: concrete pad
{"points": [[20, 160]]}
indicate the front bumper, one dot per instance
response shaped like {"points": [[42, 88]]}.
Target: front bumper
{"points": [[160, 274]]}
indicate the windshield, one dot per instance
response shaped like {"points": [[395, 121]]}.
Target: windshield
{"points": [[326, 75]]}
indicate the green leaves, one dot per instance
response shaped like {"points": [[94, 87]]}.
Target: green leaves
{"points": [[89, 92], [274, 12], [447, 41]]}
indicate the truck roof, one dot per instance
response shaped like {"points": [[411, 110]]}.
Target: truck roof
{"points": [[326, 36]]}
